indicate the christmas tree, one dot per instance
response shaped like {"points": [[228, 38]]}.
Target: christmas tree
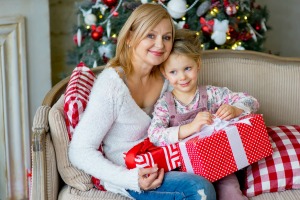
{"points": [[221, 24]]}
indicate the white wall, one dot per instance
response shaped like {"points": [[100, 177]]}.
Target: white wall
{"points": [[25, 69], [36, 14], [283, 38]]}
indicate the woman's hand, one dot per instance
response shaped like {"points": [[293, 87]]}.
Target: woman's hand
{"points": [[227, 112], [150, 178], [200, 120]]}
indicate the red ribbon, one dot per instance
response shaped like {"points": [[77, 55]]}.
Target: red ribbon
{"points": [[207, 26], [141, 148]]}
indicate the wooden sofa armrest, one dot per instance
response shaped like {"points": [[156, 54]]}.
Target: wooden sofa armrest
{"points": [[38, 146]]}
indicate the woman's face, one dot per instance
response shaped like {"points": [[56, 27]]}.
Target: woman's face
{"points": [[155, 47]]}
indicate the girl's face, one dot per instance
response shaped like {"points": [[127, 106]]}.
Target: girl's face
{"points": [[182, 73], [155, 47]]}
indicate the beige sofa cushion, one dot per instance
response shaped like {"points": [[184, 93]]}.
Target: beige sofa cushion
{"points": [[288, 195], [70, 175], [70, 193]]}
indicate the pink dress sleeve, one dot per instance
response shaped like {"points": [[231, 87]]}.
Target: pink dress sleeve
{"points": [[159, 131], [218, 96]]}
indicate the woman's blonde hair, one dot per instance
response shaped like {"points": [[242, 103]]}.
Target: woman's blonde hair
{"points": [[187, 43], [141, 21]]}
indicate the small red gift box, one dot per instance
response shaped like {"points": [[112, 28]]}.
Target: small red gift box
{"points": [[146, 154], [215, 154]]}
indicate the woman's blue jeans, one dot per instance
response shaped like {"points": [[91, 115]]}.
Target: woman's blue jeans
{"points": [[179, 185]]}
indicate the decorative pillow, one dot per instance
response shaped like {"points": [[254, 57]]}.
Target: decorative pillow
{"points": [[63, 118], [76, 99], [281, 170], [70, 175], [77, 95]]}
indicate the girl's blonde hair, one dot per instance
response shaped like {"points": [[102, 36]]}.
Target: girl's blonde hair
{"points": [[141, 21], [187, 43]]}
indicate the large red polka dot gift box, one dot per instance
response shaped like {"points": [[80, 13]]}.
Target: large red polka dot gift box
{"points": [[225, 147]]}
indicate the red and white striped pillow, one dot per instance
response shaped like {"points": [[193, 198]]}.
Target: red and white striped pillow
{"points": [[281, 170], [76, 99], [77, 95]]}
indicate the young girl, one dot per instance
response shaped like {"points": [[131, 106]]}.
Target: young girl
{"points": [[185, 110]]}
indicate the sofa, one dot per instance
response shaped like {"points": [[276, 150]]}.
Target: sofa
{"points": [[273, 80]]}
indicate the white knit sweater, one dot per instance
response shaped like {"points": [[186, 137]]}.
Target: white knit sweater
{"points": [[111, 117]]}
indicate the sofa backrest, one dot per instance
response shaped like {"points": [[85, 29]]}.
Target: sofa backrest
{"points": [[273, 80]]}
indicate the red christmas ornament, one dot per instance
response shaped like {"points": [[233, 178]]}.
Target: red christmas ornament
{"points": [[186, 26], [245, 36], [114, 40], [115, 14], [99, 29], [75, 39], [233, 33], [96, 35], [226, 3], [105, 59], [93, 27], [207, 26], [231, 9], [110, 3], [257, 27], [96, 32]]}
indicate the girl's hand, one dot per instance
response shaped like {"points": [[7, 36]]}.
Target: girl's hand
{"points": [[150, 178], [227, 112], [200, 120]]}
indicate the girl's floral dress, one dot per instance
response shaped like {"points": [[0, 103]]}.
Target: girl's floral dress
{"points": [[161, 134]]}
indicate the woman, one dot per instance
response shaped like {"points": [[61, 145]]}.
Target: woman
{"points": [[117, 114]]}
